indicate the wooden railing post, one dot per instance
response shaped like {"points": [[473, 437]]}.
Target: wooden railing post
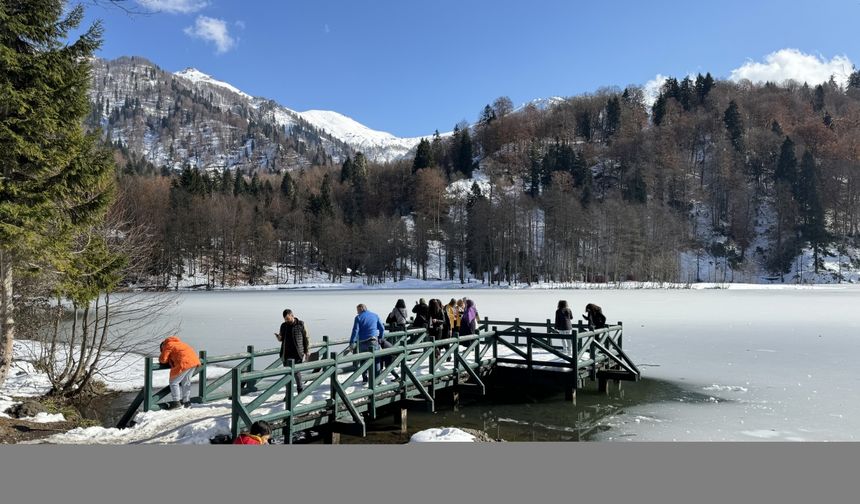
{"points": [[288, 403], [620, 335], [529, 353], [372, 411], [201, 377], [517, 331], [548, 337], [235, 399], [324, 350], [495, 342], [147, 384], [252, 384], [332, 391], [432, 360]]}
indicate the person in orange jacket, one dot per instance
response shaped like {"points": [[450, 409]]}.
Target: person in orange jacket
{"points": [[260, 433], [182, 360]]}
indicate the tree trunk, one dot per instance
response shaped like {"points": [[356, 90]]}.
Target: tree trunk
{"points": [[7, 322]]}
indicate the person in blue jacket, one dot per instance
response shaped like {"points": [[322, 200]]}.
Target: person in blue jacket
{"points": [[367, 332]]}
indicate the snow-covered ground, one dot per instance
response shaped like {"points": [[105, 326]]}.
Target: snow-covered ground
{"points": [[443, 435]]}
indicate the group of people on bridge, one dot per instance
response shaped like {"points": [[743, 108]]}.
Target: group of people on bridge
{"points": [[457, 317]]}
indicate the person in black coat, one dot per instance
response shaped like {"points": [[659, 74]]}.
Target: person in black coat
{"points": [[594, 316], [294, 343], [422, 314], [564, 325]]}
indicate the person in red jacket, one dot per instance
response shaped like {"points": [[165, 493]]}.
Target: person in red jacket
{"points": [[260, 433], [183, 361]]}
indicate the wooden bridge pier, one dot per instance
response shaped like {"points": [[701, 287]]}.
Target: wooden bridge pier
{"points": [[414, 370]]}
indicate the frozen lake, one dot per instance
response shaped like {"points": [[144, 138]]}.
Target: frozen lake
{"points": [[756, 364]]}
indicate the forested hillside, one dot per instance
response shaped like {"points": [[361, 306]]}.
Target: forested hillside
{"points": [[715, 181]]}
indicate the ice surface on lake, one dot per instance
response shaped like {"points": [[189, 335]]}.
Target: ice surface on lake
{"points": [[773, 360]]}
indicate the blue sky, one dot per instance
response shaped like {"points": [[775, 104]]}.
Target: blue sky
{"points": [[411, 67]]}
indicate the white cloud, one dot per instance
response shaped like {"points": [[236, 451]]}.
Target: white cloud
{"points": [[787, 64], [212, 30], [174, 6], [651, 89]]}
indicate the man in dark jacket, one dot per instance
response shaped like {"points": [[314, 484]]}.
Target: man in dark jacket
{"points": [[422, 314], [294, 343]]}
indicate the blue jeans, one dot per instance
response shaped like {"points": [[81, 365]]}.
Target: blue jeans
{"points": [[367, 346]]}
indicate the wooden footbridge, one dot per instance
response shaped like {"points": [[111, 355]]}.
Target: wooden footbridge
{"points": [[335, 399]]}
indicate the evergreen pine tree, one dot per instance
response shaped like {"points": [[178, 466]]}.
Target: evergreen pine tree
{"points": [[463, 160], [810, 207], [613, 116], [734, 125], [287, 186], [854, 80], [423, 156], [346, 170], [703, 87], [658, 110], [239, 184], [786, 165], [54, 179], [818, 98]]}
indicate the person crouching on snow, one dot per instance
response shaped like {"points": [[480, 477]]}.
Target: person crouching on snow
{"points": [[183, 361], [260, 433]]}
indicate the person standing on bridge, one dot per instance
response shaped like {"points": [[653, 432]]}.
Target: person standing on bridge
{"points": [[367, 331], [422, 315], [183, 361], [564, 325], [294, 344], [594, 316], [469, 322], [452, 319]]}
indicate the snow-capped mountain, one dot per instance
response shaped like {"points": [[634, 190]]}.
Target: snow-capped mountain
{"points": [[191, 118], [198, 77], [377, 145]]}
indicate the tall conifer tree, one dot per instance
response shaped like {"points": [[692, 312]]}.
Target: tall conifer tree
{"points": [[54, 180]]}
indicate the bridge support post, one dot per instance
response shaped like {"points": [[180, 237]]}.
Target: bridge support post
{"points": [[602, 386], [401, 417], [331, 436]]}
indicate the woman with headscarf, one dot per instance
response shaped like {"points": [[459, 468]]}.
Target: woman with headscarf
{"points": [[469, 322]]}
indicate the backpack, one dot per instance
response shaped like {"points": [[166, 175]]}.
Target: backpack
{"points": [[221, 439]]}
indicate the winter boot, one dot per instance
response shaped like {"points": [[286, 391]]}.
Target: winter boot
{"points": [[172, 405], [186, 404]]}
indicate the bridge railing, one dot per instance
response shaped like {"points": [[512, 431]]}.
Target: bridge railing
{"points": [[406, 370], [419, 363], [217, 388]]}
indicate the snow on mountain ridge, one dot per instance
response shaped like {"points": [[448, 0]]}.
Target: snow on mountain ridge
{"points": [[376, 145], [196, 76]]}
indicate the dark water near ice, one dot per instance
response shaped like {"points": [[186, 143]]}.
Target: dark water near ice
{"points": [[521, 415]]}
